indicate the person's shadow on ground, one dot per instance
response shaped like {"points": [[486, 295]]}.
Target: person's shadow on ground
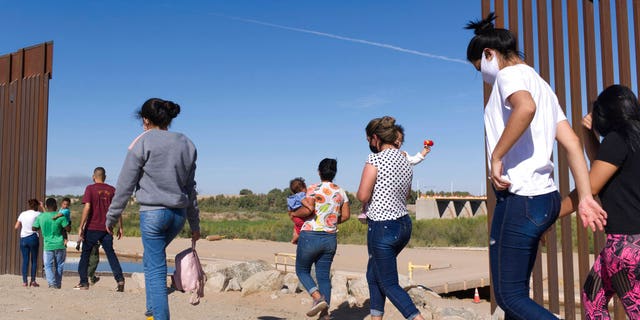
{"points": [[345, 311]]}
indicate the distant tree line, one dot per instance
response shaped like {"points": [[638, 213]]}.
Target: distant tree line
{"points": [[274, 201], [432, 193]]}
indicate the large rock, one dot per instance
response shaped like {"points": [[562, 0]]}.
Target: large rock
{"points": [[351, 300], [421, 296], [292, 283], [213, 266], [244, 270], [458, 314], [339, 289], [233, 285], [138, 278], [263, 281], [239, 272], [216, 282], [359, 289]]}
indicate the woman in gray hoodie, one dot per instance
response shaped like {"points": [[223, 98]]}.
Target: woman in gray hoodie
{"points": [[160, 167]]}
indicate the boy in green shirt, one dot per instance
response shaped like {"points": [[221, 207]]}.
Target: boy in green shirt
{"points": [[55, 252]]}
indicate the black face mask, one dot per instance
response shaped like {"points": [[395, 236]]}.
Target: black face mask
{"points": [[373, 149]]}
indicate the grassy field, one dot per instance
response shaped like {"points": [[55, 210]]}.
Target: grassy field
{"points": [[470, 232], [276, 226], [467, 232]]}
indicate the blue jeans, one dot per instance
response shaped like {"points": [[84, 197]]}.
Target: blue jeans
{"points": [[29, 248], [54, 259], [319, 248], [518, 223], [158, 228], [385, 240], [91, 238]]}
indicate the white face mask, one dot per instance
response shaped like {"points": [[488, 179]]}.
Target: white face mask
{"points": [[489, 68]]}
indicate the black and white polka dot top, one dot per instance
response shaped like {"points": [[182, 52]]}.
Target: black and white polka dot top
{"points": [[393, 182]]}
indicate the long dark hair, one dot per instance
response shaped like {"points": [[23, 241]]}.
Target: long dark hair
{"points": [[617, 110], [489, 37]]}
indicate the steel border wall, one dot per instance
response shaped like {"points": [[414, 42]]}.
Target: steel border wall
{"points": [[585, 80], [24, 100]]}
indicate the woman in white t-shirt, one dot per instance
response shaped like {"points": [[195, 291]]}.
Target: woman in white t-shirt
{"points": [[29, 241], [523, 119], [386, 185]]}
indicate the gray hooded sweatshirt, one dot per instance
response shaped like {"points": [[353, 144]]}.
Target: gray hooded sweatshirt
{"points": [[160, 167]]}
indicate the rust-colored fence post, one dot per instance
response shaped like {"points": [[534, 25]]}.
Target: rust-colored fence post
{"points": [[575, 93], [24, 98]]}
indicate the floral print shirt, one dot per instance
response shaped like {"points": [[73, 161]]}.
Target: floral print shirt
{"points": [[329, 199]]}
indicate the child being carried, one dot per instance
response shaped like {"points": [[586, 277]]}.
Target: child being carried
{"points": [[296, 200]]}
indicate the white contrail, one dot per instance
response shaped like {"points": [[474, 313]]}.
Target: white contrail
{"points": [[334, 36]]}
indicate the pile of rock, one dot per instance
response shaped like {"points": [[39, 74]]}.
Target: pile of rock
{"points": [[254, 276]]}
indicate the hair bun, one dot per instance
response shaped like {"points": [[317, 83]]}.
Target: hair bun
{"points": [[482, 26], [173, 109], [387, 121]]}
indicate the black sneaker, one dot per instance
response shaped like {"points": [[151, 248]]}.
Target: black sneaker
{"points": [[94, 280], [120, 287]]}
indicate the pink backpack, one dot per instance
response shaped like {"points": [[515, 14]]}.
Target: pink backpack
{"points": [[189, 276]]}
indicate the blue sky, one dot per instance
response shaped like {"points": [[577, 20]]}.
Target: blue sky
{"points": [[267, 88]]}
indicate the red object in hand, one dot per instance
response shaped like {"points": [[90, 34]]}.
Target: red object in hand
{"points": [[428, 143]]}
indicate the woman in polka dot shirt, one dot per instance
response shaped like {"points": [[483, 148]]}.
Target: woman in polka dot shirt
{"points": [[385, 185]]}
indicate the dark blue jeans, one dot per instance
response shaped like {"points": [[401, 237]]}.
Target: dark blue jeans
{"points": [[319, 248], [385, 240], [518, 223], [29, 248], [92, 237]]}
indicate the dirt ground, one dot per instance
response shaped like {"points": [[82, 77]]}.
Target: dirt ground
{"points": [[102, 302]]}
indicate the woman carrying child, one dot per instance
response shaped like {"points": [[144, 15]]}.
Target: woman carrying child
{"points": [[318, 237]]}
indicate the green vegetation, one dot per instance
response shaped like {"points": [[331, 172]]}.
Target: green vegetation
{"points": [[465, 232], [277, 227], [261, 216]]}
